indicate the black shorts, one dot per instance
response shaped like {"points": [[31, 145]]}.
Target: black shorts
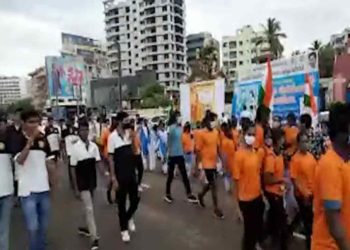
{"points": [[211, 175]]}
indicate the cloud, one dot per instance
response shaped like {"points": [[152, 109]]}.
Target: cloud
{"points": [[31, 28]]}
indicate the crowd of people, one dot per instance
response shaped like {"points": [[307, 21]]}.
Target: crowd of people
{"points": [[284, 176]]}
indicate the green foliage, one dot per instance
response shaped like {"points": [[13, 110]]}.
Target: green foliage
{"points": [[316, 45], [272, 35], [326, 60], [25, 104], [153, 97]]}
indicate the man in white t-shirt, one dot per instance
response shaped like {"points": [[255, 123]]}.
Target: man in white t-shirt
{"points": [[6, 186], [33, 181]]}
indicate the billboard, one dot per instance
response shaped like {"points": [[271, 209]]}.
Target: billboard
{"points": [[63, 74], [196, 98], [288, 85]]}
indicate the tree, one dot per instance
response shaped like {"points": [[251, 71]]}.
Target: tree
{"points": [[326, 56], [272, 35], [152, 96], [206, 66], [24, 104], [316, 45]]}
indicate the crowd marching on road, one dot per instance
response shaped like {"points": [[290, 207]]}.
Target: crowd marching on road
{"points": [[286, 177]]}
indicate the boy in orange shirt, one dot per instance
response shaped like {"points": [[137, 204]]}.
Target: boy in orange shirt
{"points": [[302, 171], [261, 121], [228, 149], [187, 144], [208, 146], [274, 187], [291, 132], [331, 226]]}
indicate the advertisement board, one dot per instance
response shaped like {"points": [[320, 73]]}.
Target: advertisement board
{"points": [[63, 74], [289, 77], [196, 98]]}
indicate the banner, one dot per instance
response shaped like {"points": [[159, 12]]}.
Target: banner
{"points": [[198, 97], [63, 74], [288, 85]]}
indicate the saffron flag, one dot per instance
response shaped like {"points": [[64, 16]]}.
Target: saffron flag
{"points": [[266, 88]]}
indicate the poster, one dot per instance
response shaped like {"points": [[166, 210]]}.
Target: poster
{"points": [[288, 85], [63, 74], [198, 97]]}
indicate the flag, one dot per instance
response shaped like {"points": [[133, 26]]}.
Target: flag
{"points": [[309, 98], [266, 88]]}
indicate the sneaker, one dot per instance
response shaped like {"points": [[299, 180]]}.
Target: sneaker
{"points": [[168, 198], [192, 199], [132, 226], [201, 201], [140, 189], [125, 236], [83, 231], [218, 214], [94, 245]]}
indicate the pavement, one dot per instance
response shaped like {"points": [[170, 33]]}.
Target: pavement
{"points": [[160, 226]]}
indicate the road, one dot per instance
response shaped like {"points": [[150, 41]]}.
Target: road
{"points": [[160, 226]]}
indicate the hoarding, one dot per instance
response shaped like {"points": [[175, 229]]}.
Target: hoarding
{"points": [[288, 85], [196, 98], [63, 74]]}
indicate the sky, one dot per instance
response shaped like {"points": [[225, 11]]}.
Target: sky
{"points": [[31, 29]]}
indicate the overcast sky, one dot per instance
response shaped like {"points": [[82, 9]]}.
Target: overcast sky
{"points": [[30, 29]]}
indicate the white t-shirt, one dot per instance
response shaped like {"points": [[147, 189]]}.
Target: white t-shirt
{"points": [[6, 176], [79, 152], [115, 141]]}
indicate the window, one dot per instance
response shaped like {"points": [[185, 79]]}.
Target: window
{"points": [[166, 56], [128, 36], [165, 37], [136, 46], [127, 9], [166, 65], [129, 62], [240, 62], [129, 53], [241, 43], [127, 18], [241, 53], [167, 75], [224, 45], [165, 27], [166, 47], [165, 18], [164, 9], [136, 55]]}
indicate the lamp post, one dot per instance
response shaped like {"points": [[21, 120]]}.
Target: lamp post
{"points": [[119, 82]]}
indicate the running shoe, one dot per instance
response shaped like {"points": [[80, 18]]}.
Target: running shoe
{"points": [[132, 226], [94, 245], [125, 236], [218, 214], [83, 231], [168, 198], [192, 199], [201, 201]]}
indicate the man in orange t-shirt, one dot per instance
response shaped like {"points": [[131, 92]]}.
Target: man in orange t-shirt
{"points": [[331, 226], [302, 171], [208, 146], [291, 132]]}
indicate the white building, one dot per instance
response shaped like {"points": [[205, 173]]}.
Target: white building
{"points": [[240, 52], [12, 89], [151, 34], [341, 41]]}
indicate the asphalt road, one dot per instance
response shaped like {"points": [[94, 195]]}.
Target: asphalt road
{"points": [[160, 226]]}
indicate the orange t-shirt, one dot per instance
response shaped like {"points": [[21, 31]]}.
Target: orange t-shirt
{"points": [[331, 191], [275, 165], [291, 134], [207, 144], [236, 136], [104, 141], [246, 171], [302, 170], [259, 136], [228, 148], [196, 134], [187, 142]]}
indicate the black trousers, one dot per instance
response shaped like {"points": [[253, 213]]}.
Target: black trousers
{"points": [[127, 190], [139, 168], [306, 215], [180, 162], [252, 212], [211, 175], [277, 221]]}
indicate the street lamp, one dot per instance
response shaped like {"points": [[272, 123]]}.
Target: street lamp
{"points": [[119, 82]]}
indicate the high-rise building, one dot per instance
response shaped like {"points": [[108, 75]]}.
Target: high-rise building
{"points": [[341, 42], [196, 42], [12, 89], [39, 88], [93, 51], [151, 35], [240, 52]]}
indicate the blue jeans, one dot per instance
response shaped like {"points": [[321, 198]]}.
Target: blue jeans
{"points": [[36, 209], [5, 215]]}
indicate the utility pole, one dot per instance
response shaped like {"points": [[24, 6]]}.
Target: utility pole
{"points": [[119, 82]]}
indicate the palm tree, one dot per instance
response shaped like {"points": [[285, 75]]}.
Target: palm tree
{"points": [[272, 35], [315, 45]]}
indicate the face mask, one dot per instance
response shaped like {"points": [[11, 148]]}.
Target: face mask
{"points": [[249, 140], [212, 124], [179, 120], [276, 124]]}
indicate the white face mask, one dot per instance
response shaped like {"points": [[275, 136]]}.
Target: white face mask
{"points": [[276, 124], [213, 124], [179, 120], [249, 139]]}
